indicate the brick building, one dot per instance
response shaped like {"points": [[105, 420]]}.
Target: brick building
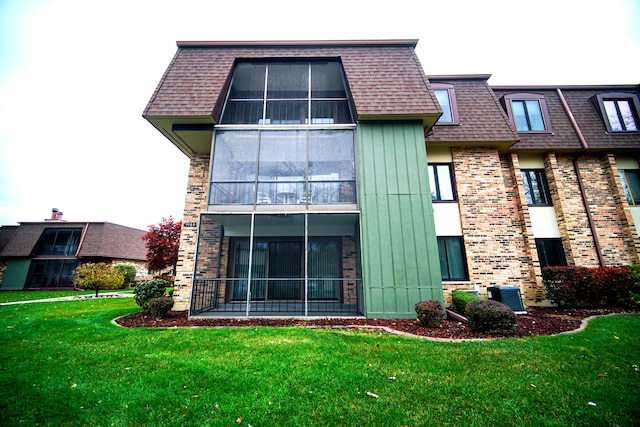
{"points": [[337, 178], [44, 255]]}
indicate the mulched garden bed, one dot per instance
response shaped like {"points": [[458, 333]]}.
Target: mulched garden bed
{"points": [[537, 321]]}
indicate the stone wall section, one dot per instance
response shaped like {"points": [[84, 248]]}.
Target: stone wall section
{"points": [[195, 203]]}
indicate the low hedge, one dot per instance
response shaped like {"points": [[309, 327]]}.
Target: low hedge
{"points": [[489, 315], [460, 299], [584, 287]]}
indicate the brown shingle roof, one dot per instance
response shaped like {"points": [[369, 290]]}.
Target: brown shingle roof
{"points": [[384, 77], [481, 117], [590, 124], [100, 239]]}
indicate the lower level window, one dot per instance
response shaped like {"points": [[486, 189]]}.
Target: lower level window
{"points": [[51, 273], [452, 258], [277, 269], [551, 253]]}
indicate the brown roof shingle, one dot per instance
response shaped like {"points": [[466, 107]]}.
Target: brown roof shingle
{"points": [[384, 77], [100, 240]]}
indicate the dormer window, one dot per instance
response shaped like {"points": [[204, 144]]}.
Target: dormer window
{"points": [[618, 110], [528, 112], [287, 93], [446, 95]]}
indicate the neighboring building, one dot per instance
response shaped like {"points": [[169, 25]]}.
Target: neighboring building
{"points": [[43, 255], [336, 178]]}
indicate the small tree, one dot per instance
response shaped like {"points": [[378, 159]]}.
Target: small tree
{"points": [[129, 272], [162, 242], [98, 276]]}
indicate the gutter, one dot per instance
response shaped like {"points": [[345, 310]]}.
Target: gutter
{"points": [[583, 194]]}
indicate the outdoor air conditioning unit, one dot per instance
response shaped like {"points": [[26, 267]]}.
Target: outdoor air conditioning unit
{"points": [[508, 295]]}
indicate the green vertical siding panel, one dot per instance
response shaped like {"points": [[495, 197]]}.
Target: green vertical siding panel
{"points": [[400, 263], [16, 274]]}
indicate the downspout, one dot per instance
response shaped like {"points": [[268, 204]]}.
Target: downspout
{"points": [[585, 203]]}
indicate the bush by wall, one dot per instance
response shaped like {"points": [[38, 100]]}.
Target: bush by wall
{"points": [[159, 307], [489, 315], [583, 287], [129, 272], [430, 313], [460, 299], [144, 292]]}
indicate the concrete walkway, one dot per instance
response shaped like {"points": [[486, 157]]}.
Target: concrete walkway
{"points": [[73, 297]]}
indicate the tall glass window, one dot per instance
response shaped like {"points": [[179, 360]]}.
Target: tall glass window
{"points": [[287, 93], [59, 241], [285, 167]]}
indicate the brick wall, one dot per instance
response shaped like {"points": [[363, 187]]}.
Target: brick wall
{"points": [[491, 220], [195, 202]]}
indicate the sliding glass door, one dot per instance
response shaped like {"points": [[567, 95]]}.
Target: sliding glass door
{"points": [[277, 269]]}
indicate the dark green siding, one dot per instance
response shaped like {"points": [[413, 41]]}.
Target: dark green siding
{"points": [[16, 274], [400, 264]]}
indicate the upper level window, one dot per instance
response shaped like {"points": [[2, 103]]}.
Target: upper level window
{"points": [[619, 110], [528, 112], [535, 187], [441, 182], [284, 167], [283, 93], [446, 95], [59, 241], [631, 184]]}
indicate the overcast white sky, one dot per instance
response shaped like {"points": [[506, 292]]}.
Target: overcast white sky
{"points": [[75, 76]]}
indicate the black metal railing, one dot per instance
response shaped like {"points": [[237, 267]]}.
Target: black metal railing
{"points": [[277, 297]]}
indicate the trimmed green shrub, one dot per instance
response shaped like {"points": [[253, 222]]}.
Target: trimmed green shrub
{"points": [[430, 313], [159, 307], [460, 300], [489, 315], [129, 272], [144, 292]]}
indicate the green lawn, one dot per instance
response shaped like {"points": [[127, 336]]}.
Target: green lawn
{"points": [[11, 296], [65, 363]]}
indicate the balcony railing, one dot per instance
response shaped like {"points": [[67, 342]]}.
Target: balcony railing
{"points": [[283, 192], [277, 297]]}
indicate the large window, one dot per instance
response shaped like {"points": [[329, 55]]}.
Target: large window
{"points": [[283, 167], [441, 182], [528, 112], [618, 110], [278, 269], [453, 265], [287, 93], [446, 95], [550, 253], [631, 184], [59, 241], [535, 187], [51, 273]]}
